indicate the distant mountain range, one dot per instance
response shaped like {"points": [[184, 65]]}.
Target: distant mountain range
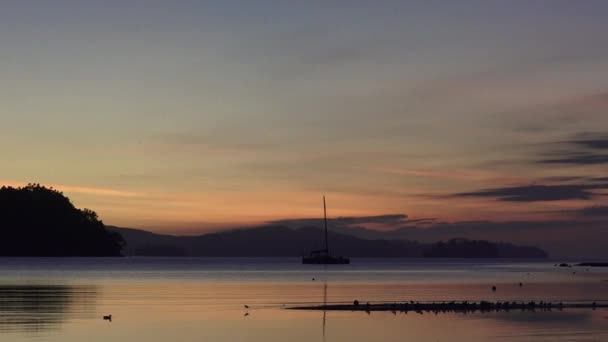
{"points": [[281, 241], [587, 239]]}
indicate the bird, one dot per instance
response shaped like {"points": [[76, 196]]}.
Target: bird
{"points": [[246, 314], [107, 318], [246, 306], [493, 288], [520, 284]]}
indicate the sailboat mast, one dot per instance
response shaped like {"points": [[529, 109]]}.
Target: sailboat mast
{"points": [[325, 220]]}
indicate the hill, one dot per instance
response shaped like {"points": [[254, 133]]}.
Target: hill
{"points": [[280, 241], [463, 248], [38, 221]]}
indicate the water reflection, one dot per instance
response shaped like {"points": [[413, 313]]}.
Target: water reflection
{"points": [[545, 318], [36, 308], [515, 325], [187, 300], [325, 278], [324, 304]]}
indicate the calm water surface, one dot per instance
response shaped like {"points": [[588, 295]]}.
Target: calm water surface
{"points": [[202, 299]]}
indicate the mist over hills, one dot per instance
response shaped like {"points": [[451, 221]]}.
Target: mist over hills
{"points": [[564, 238], [275, 241]]}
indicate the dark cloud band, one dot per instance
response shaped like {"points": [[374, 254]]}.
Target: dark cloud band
{"points": [[534, 193]]}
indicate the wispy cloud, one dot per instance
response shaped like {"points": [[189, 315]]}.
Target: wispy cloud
{"points": [[577, 158], [456, 174], [597, 141], [80, 189], [388, 219], [582, 149], [536, 193], [563, 179], [593, 211]]}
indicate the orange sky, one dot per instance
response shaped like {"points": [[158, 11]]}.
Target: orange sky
{"points": [[186, 117]]}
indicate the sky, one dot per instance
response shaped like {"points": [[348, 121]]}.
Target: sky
{"points": [[189, 116]]}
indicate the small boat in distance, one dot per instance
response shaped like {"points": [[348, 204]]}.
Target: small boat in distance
{"points": [[322, 256]]}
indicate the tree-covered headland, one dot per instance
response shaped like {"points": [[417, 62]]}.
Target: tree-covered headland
{"points": [[40, 221]]}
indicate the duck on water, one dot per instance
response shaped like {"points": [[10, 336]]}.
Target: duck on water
{"points": [[322, 256]]}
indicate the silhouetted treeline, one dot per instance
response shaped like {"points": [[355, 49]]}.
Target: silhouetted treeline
{"points": [[40, 221], [463, 248], [275, 241]]}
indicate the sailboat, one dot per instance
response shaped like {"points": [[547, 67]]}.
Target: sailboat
{"points": [[322, 256]]}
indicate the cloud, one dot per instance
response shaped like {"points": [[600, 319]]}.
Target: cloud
{"points": [[569, 179], [582, 149], [80, 189], [567, 113], [457, 174], [534, 193], [96, 191], [593, 211], [382, 219], [388, 220], [563, 179], [597, 141], [207, 141], [423, 221], [578, 159]]}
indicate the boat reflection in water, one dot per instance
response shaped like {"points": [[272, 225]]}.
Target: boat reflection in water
{"points": [[323, 257]]}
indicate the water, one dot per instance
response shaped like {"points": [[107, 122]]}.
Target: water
{"points": [[194, 299]]}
